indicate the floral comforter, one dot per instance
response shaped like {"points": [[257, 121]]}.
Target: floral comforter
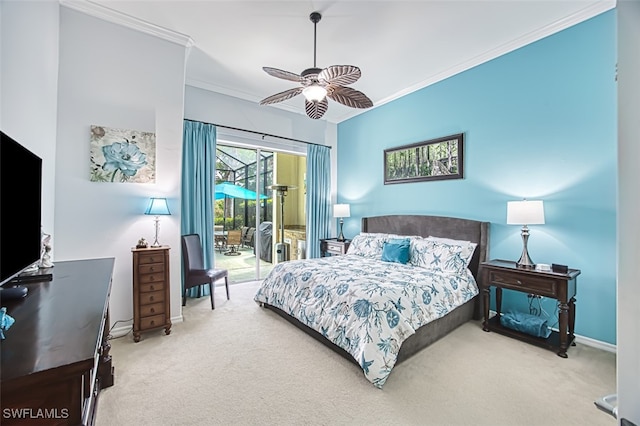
{"points": [[366, 306]]}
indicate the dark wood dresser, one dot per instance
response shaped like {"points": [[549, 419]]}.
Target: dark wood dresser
{"points": [[151, 295], [55, 358]]}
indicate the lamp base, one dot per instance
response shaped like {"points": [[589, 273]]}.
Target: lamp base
{"points": [[525, 261], [156, 243], [341, 236]]}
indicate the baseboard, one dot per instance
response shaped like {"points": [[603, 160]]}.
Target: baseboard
{"points": [[587, 341], [123, 330], [598, 344]]}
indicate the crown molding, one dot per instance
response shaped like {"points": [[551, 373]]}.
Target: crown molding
{"points": [[205, 85], [110, 15], [562, 24]]}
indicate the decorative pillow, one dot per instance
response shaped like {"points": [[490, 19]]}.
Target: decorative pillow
{"points": [[438, 256], [367, 245], [396, 250], [468, 247]]}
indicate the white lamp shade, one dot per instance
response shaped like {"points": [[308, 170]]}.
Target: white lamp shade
{"points": [[157, 207], [525, 212], [341, 210], [314, 92]]}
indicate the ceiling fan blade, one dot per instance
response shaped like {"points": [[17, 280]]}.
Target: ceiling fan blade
{"points": [[282, 96], [342, 75], [285, 75], [316, 110], [350, 97]]}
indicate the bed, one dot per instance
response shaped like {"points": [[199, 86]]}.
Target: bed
{"points": [[379, 313]]}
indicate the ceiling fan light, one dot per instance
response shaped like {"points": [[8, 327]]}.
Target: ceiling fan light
{"points": [[314, 93]]}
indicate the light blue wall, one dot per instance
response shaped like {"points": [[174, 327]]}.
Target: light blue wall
{"points": [[539, 123]]}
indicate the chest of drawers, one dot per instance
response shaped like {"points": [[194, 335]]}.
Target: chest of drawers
{"points": [[151, 296]]}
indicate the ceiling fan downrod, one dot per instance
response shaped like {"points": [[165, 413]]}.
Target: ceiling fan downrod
{"points": [[315, 18]]}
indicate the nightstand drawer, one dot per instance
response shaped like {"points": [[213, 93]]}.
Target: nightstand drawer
{"points": [[149, 268], [151, 297], [516, 281], [154, 286], [152, 278], [150, 310], [334, 248], [150, 258], [151, 322]]}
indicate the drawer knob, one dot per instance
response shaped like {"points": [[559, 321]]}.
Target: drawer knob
{"points": [[151, 298], [153, 322], [152, 287], [151, 269], [153, 311], [151, 278]]}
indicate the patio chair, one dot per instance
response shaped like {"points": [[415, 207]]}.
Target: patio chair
{"points": [[194, 272], [247, 238], [234, 241]]}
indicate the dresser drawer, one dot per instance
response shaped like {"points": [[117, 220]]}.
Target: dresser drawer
{"points": [[144, 258], [153, 309], [153, 286], [149, 268], [151, 297], [151, 322], [151, 278], [516, 281]]}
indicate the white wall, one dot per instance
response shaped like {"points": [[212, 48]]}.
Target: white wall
{"points": [[117, 77], [628, 338], [29, 86]]}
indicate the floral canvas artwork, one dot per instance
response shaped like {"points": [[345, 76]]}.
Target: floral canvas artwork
{"points": [[119, 155]]}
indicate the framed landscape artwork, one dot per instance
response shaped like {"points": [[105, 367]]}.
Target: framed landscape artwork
{"points": [[435, 159]]}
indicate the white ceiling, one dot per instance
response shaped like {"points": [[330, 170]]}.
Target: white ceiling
{"points": [[400, 46]]}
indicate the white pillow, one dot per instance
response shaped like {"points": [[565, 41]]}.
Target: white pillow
{"points": [[468, 246], [438, 256], [367, 245]]}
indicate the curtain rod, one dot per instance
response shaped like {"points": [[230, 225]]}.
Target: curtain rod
{"points": [[257, 133]]}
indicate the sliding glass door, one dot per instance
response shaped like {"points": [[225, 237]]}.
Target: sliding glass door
{"points": [[244, 212]]}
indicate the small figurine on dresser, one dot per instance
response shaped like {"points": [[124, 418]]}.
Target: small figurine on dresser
{"points": [[45, 254], [142, 243]]}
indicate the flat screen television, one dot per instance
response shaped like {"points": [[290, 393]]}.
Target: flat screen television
{"points": [[20, 208]]}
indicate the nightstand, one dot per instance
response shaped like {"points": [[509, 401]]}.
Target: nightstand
{"points": [[331, 246], [151, 295], [503, 274]]}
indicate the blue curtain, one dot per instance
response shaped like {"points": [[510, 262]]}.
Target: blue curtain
{"points": [[318, 197], [198, 189]]}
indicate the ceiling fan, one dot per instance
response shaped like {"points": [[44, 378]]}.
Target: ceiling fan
{"points": [[317, 84]]}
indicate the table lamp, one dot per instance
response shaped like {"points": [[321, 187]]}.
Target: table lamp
{"points": [[157, 207], [341, 211], [525, 213]]}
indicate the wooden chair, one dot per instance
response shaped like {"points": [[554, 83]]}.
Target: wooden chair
{"points": [[194, 272], [234, 241]]}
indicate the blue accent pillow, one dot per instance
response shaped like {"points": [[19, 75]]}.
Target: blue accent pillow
{"points": [[396, 250]]}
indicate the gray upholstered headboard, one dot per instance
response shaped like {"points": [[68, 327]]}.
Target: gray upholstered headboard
{"points": [[435, 226]]}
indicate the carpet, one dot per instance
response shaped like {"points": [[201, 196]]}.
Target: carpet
{"points": [[241, 364]]}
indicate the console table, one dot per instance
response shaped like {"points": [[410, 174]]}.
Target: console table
{"points": [[560, 286], [55, 358]]}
